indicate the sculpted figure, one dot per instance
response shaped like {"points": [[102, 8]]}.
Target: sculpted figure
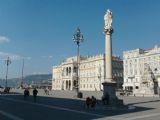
{"points": [[108, 19]]}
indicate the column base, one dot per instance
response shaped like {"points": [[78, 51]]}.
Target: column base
{"points": [[109, 91], [110, 88]]}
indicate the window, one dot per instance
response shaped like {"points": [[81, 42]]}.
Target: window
{"points": [[135, 60], [131, 71], [135, 71], [140, 72], [74, 69], [149, 58], [67, 71]]}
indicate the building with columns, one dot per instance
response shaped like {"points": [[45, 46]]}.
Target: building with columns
{"points": [[91, 73], [142, 70]]}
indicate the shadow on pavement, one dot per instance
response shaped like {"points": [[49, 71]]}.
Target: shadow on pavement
{"points": [[76, 106], [144, 102]]}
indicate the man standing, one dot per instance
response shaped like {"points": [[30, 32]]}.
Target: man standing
{"points": [[26, 93], [35, 91]]}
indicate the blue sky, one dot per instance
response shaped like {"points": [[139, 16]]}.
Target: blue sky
{"points": [[40, 31]]}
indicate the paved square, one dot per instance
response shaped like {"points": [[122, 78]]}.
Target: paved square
{"points": [[62, 105]]}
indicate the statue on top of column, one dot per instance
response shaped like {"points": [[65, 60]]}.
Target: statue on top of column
{"points": [[108, 20]]}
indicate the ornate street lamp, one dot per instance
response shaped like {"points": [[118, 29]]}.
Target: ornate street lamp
{"points": [[78, 38], [7, 62]]}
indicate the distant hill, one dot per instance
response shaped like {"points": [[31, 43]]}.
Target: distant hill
{"points": [[10, 82], [37, 78], [15, 82]]}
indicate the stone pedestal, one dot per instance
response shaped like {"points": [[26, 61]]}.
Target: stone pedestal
{"points": [[109, 87]]}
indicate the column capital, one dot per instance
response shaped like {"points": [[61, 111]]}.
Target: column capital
{"points": [[108, 31]]}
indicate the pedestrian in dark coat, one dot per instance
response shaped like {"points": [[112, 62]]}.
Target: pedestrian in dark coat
{"points": [[26, 93], [94, 101], [35, 92], [88, 101]]}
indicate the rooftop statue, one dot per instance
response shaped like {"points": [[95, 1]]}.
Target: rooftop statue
{"points": [[108, 19]]}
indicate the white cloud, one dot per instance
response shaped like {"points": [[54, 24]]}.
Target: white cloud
{"points": [[4, 39], [40, 73], [28, 58], [3, 56], [49, 57]]}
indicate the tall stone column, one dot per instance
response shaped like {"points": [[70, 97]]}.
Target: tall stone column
{"points": [[108, 54], [108, 85]]}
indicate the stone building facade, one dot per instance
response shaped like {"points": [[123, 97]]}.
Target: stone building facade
{"points": [[141, 70], [91, 73]]}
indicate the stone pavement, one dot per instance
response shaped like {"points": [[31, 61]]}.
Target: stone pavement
{"points": [[128, 100], [140, 108], [63, 94]]}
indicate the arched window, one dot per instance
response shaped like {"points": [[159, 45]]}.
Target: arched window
{"points": [[74, 69], [67, 71], [67, 84]]}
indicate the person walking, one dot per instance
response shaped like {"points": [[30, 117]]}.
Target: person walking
{"points": [[26, 93], [35, 92], [94, 101], [88, 101], [106, 98]]}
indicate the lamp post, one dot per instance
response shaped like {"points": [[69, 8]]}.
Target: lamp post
{"points": [[7, 62], [78, 38], [99, 76], [22, 82]]}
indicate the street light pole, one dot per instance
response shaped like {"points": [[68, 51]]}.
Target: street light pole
{"points": [[78, 38], [22, 82], [99, 70], [8, 62]]}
